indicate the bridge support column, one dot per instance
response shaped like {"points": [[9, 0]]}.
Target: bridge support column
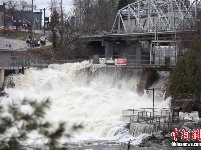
{"points": [[2, 73], [109, 49], [22, 70]]}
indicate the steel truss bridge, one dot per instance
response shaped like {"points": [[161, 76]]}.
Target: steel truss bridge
{"points": [[156, 15], [151, 28]]}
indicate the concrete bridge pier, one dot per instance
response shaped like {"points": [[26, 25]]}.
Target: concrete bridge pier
{"points": [[2, 74], [108, 49]]}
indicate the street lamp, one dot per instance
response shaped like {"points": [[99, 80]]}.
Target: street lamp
{"points": [[45, 17], [147, 91]]}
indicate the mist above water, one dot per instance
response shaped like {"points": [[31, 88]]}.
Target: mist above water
{"points": [[94, 98]]}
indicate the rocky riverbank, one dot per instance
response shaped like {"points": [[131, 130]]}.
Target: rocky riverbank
{"points": [[164, 140], [155, 139]]}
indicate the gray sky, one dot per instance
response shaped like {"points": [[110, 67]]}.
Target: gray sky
{"points": [[40, 4]]}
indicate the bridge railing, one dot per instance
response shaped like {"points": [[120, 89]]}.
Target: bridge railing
{"points": [[28, 62], [48, 62], [12, 64], [136, 60], [131, 60]]}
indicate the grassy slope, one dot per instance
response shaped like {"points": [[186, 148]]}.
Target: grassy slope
{"points": [[19, 34], [22, 35]]}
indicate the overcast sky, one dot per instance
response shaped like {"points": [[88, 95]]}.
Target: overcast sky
{"points": [[40, 4]]}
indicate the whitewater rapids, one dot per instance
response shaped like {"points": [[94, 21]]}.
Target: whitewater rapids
{"points": [[77, 96]]}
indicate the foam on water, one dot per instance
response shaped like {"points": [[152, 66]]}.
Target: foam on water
{"points": [[96, 101]]}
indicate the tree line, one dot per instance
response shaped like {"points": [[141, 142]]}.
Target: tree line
{"points": [[93, 16], [88, 17]]}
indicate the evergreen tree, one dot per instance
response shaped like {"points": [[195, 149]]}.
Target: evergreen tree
{"points": [[179, 87], [186, 77], [12, 118]]}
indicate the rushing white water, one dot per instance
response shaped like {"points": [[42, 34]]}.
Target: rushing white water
{"points": [[96, 100]]}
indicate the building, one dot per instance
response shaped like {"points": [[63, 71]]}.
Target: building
{"points": [[23, 19], [18, 18], [1, 15]]}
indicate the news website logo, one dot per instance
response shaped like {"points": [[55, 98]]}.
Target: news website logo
{"points": [[188, 135]]}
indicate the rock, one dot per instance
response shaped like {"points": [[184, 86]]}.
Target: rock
{"points": [[159, 136], [168, 136], [149, 138], [145, 144], [157, 141], [166, 142]]}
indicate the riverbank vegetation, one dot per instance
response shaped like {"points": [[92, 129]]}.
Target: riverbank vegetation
{"points": [[186, 78]]}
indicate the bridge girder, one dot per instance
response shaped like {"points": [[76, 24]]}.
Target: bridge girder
{"points": [[156, 15]]}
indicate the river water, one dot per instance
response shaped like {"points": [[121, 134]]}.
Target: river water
{"points": [[95, 99]]}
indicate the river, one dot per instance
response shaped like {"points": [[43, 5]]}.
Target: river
{"points": [[95, 99]]}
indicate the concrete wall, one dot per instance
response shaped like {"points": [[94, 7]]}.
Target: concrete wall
{"points": [[131, 51], [5, 57], [1, 78], [147, 78]]}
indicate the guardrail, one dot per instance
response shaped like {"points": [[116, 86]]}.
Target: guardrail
{"points": [[15, 62], [131, 61]]}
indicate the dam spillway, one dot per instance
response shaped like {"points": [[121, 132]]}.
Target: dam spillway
{"points": [[95, 98]]}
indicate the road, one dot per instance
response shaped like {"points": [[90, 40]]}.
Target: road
{"points": [[12, 44]]}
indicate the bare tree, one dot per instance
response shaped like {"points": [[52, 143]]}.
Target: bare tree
{"points": [[84, 14], [65, 38], [54, 28], [95, 15], [105, 12]]}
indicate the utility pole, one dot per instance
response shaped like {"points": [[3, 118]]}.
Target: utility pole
{"points": [[31, 24], [61, 23], [4, 11], [44, 20]]}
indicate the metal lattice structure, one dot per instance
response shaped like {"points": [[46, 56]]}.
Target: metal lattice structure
{"points": [[156, 15]]}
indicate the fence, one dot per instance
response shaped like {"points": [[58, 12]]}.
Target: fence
{"points": [[144, 121], [130, 59], [17, 62]]}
